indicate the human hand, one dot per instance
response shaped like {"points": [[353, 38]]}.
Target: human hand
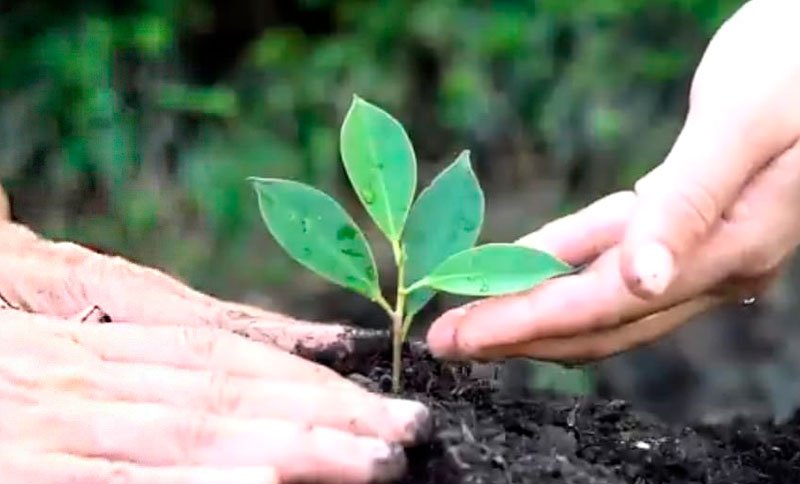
{"points": [[715, 221], [168, 394], [108, 403], [69, 281]]}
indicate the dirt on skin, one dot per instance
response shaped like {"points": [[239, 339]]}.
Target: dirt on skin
{"points": [[484, 437]]}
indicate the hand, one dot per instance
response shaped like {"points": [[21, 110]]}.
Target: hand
{"points": [[714, 222], [69, 281], [107, 403], [168, 394]]}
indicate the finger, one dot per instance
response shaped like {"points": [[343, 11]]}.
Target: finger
{"points": [[334, 345], [580, 237], [349, 409], [126, 431], [701, 177], [764, 220], [223, 371], [42, 337], [23, 467], [735, 126], [196, 348], [593, 300], [586, 347]]}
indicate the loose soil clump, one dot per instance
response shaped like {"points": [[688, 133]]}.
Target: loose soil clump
{"points": [[483, 436]]}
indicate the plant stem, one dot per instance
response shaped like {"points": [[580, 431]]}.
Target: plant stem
{"points": [[406, 325], [397, 350], [417, 285], [398, 334], [381, 301]]}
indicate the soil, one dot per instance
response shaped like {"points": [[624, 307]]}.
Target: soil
{"points": [[484, 436]]}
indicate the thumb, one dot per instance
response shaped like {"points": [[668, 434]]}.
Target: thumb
{"points": [[741, 116], [687, 196]]}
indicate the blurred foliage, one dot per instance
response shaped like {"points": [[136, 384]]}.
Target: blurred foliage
{"points": [[134, 127]]}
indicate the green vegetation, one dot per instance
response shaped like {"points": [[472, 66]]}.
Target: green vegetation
{"points": [[380, 162]]}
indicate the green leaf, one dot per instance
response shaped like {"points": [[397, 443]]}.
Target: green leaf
{"points": [[494, 269], [318, 233], [445, 219], [381, 165]]}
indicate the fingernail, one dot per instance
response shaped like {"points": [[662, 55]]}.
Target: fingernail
{"points": [[413, 417], [389, 463], [654, 267]]}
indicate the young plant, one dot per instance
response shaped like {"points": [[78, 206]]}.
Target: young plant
{"points": [[432, 238]]}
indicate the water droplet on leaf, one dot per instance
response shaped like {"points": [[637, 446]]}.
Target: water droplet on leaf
{"points": [[368, 195]]}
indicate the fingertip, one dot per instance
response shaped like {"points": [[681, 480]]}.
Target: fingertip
{"points": [[390, 466], [649, 269], [442, 336], [413, 417]]}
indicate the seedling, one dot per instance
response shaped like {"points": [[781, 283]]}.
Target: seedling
{"points": [[432, 238]]}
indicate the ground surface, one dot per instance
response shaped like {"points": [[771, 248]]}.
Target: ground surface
{"points": [[485, 437]]}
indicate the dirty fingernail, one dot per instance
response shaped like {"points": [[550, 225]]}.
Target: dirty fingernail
{"points": [[654, 267], [413, 418], [389, 463]]}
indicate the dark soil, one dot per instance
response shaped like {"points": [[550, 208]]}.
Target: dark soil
{"points": [[485, 437]]}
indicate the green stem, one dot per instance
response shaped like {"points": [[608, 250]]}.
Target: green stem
{"points": [[398, 334], [384, 304], [406, 325], [417, 285]]}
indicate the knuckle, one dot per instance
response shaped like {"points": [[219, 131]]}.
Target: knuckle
{"points": [[697, 206], [224, 395], [73, 255], [77, 379], [202, 342], [193, 432]]}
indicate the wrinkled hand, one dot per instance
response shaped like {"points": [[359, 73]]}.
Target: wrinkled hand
{"points": [[168, 394], [714, 222], [66, 280]]}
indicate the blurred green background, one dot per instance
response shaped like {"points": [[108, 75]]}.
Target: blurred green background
{"points": [[132, 126]]}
